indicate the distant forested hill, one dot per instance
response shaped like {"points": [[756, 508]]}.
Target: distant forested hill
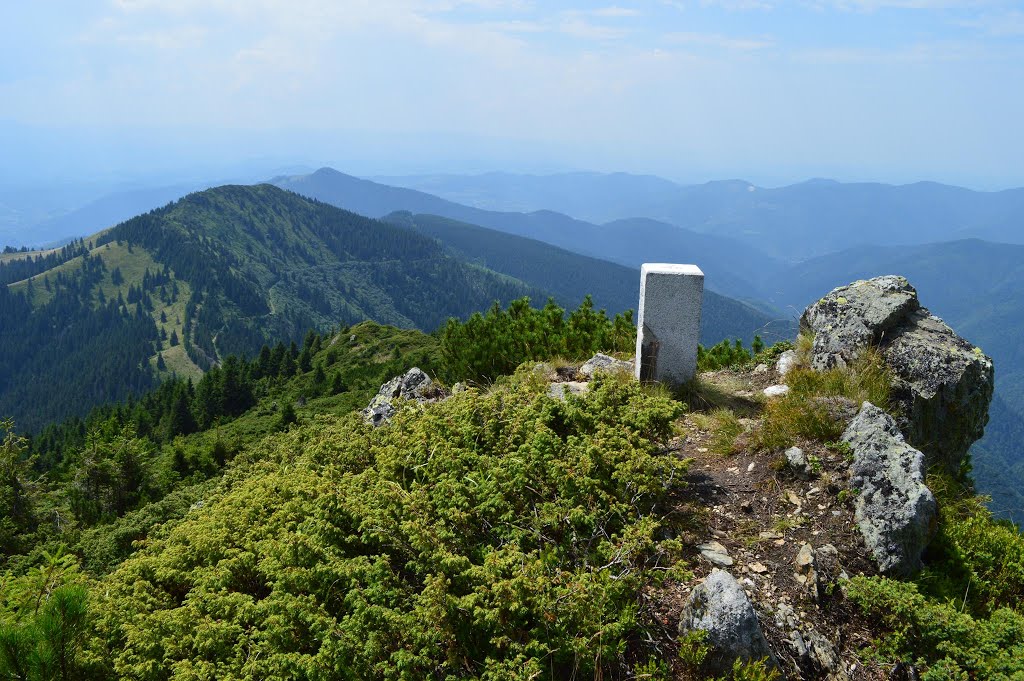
{"points": [[570, 276], [217, 273]]}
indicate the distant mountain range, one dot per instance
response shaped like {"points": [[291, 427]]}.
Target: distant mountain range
{"points": [[727, 263], [226, 270], [774, 249], [792, 223]]}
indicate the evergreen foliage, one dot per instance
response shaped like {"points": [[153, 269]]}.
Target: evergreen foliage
{"points": [[490, 345], [499, 535]]}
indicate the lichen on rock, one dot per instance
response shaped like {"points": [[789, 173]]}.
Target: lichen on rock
{"points": [[942, 385], [894, 509]]}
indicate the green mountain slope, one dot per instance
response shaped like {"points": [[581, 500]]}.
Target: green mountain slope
{"points": [[217, 273], [570, 276]]}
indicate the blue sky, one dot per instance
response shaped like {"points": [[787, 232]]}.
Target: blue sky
{"points": [[772, 91]]}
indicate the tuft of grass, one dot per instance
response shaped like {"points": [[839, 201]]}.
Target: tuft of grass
{"points": [[793, 416], [804, 347], [724, 427], [807, 411], [866, 379]]}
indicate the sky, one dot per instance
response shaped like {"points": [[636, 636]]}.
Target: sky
{"points": [[768, 90]]}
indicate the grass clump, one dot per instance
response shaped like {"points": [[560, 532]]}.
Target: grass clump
{"points": [[810, 409], [793, 416], [723, 426], [866, 379]]}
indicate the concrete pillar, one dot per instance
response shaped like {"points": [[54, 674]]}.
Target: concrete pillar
{"points": [[668, 326]]}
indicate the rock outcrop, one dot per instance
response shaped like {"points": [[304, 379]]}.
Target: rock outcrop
{"points": [[605, 363], [412, 385], [894, 509], [853, 317], [720, 607], [942, 385]]}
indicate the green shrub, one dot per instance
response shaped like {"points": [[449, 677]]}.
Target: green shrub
{"points": [[974, 557], [496, 535], [729, 354], [485, 347], [938, 636]]}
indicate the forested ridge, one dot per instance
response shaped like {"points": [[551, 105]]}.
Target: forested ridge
{"points": [[218, 273], [223, 271]]}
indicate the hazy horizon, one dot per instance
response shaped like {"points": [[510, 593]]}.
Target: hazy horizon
{"points": [[141, 91]]}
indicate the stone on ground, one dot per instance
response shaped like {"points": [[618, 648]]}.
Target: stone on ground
{"points": [[600, 363], [894, 509], [720, 607], [412, 385]]}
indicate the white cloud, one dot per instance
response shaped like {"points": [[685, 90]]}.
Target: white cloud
{"points": [[578, 27], [615, 11], [719, 41], [1008, 24]]}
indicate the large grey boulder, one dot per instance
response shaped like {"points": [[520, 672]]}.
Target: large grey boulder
{"points": [[941, 383], [894, 509], [942, 386], [412, 385], [720, 607], [851, 318]]}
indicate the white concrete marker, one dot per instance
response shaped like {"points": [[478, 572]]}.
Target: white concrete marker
{"points": [[668, 327]]}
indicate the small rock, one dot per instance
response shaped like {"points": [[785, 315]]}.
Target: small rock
{"points": [[750, 468], [787, 362], [720, 607], [600, 363], [761, 369], [798, 462], [759, 568], [770, 535], [775, 390], [715, 553], [560, 390], [805, 559]]}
